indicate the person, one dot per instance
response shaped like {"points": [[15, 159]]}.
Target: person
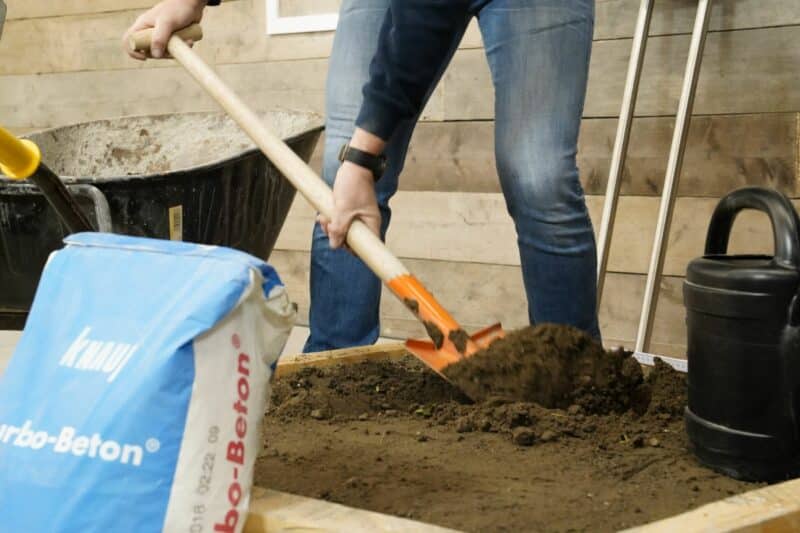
{"points": [[387, 57]]}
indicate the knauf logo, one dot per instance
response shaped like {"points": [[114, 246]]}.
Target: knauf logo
{"points": [[98, 356]]}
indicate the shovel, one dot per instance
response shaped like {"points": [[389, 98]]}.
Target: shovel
{"points": [[449, 342]]}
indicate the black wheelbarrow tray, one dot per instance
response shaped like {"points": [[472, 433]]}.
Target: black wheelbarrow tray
{"points": [[194, 177]]}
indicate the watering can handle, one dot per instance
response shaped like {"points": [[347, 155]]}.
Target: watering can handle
{"points": [[782, 215]]}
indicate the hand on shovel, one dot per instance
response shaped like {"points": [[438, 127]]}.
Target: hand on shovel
{"points": [[165, 18], [354, 207], [353, 198]]}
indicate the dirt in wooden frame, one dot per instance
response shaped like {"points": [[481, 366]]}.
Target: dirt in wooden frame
{"points": [[608, 452]]}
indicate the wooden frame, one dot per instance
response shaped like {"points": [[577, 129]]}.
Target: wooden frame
{"points": [[272, 512], [277, 25], [772, 509], [290, 365]]}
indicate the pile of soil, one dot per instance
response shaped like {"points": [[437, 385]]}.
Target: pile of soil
{"points": [[553, 366], [610, 451]]}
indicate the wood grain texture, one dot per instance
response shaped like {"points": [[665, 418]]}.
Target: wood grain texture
{"points": [[459, 227], [23, 9], [479, 295], [772, 509], [615, 19], [749, 71], [376, 352], [66, 98], [724, 152], [77, 35], [234, 33], [746, 71], [58, 99], [279, 512]]}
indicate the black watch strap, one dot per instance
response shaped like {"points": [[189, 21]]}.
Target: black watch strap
{"points": [[213, 2], [375, 163]]}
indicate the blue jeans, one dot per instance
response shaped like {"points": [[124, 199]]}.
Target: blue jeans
{"points": [[538, 52]]}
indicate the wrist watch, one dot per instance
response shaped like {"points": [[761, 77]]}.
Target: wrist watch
{"points": [[374, 163]]}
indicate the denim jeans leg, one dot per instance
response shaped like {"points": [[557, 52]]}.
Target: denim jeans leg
{"points": [[538, 53], [345, 294]]}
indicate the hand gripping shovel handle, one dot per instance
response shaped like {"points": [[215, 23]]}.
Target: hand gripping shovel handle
{"points": [[440, 324]]}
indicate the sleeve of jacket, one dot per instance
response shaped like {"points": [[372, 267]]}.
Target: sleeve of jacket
{"points": [[415, 41]]}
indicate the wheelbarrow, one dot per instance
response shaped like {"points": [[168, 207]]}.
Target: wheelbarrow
{"points": [[192, 177]]}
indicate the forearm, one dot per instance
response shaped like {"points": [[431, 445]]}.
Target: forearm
{"points": [[415, 41]]}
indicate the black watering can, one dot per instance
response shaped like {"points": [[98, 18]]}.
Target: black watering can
{"points": [[743, 321]]}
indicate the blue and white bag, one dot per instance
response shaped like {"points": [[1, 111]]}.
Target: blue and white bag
{"points": [[134, 399]]}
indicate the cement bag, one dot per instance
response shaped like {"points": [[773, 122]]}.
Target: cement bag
{"points": [[134, 399]]}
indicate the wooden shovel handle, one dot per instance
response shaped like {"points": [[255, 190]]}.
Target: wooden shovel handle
{"points": [[140, 41], [443, 328], [359, 237]]}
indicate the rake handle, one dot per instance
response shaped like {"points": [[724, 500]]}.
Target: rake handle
{"points": [[361, 240]]}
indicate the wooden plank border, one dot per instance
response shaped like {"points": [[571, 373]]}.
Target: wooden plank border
{"points": [[376, 352], [770, 509], [272, 512]]}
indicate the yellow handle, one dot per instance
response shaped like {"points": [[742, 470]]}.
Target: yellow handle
{"points": [[19, 158]]}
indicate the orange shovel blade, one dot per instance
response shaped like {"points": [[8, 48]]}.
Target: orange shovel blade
{"points": [[438, 359]]}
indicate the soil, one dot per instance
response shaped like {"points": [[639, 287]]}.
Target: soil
{"points": [[554, 366], [393, 437]]}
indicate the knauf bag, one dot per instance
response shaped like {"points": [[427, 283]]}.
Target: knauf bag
{"points": [[134, 398]]}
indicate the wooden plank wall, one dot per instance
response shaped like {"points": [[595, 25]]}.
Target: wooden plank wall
{"points": [[60, 62]]}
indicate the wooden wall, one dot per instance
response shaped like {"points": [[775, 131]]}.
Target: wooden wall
{"points": [[60, 62]]}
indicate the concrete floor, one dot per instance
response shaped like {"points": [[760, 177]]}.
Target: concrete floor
{"points": [[294, 346]]}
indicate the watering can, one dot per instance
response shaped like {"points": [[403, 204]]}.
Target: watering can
{"points": [[743, 321]]}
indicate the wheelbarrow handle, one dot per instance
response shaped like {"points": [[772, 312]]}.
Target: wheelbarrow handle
{"points": [[102, 211], [19, 158]]}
